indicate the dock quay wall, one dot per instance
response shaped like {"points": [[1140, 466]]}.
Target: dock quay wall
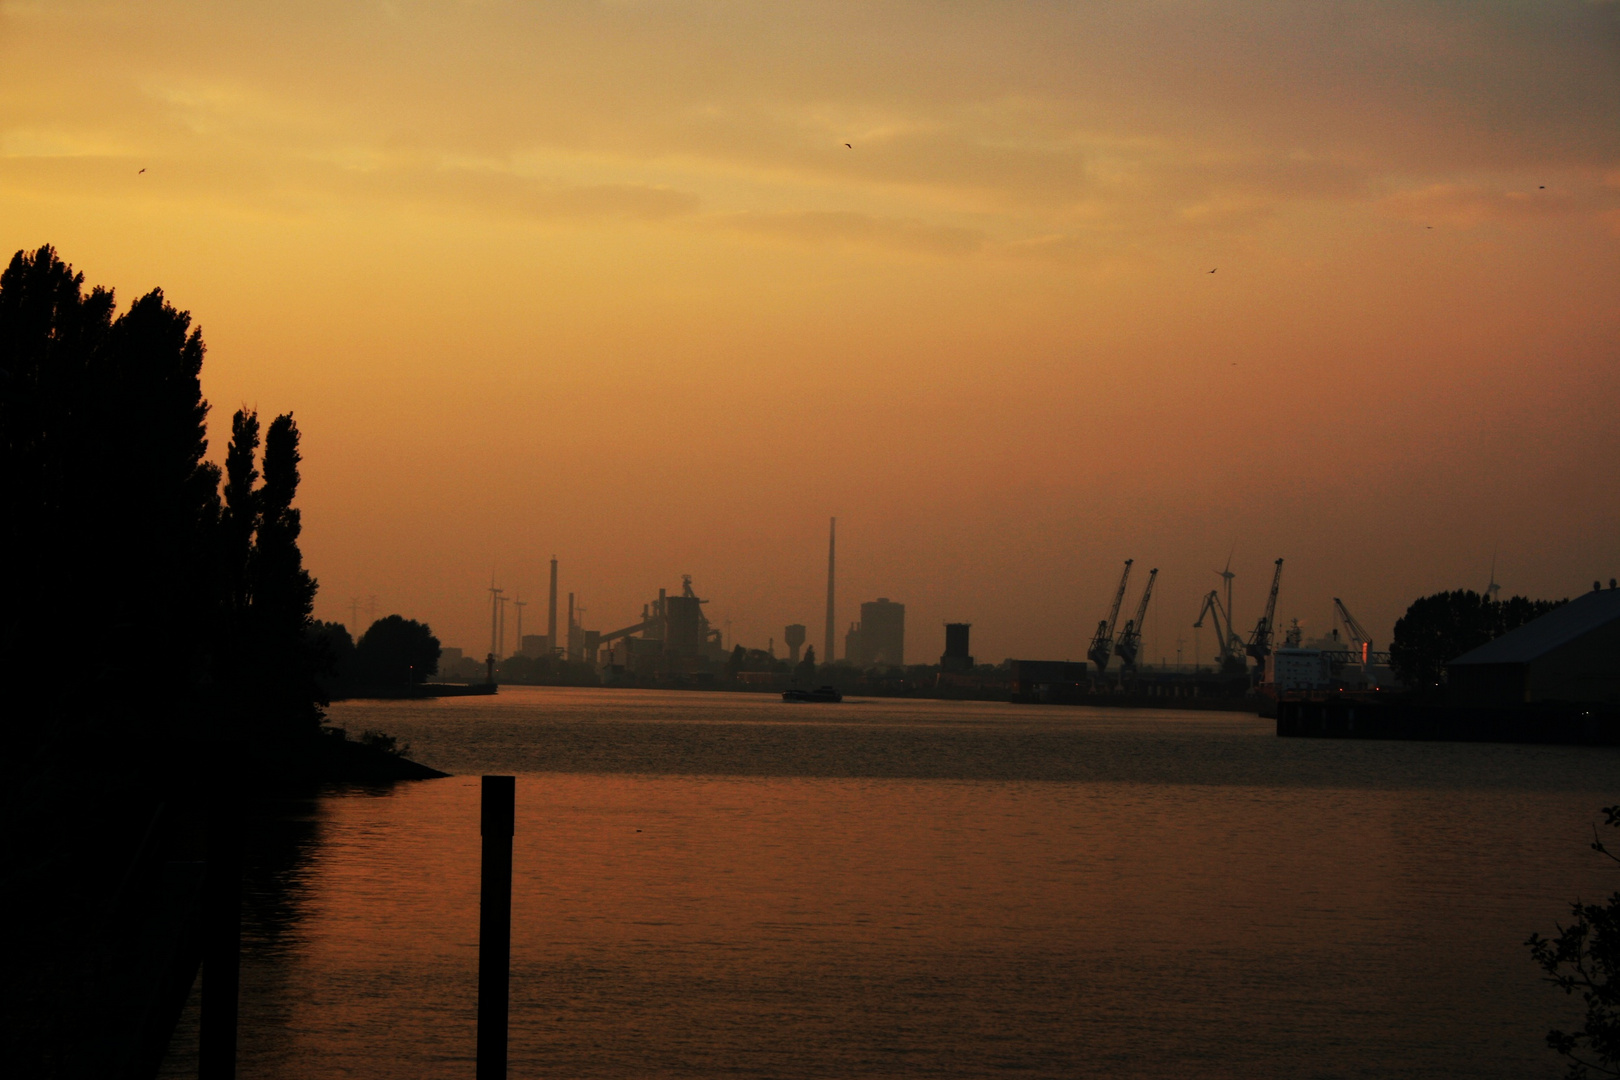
{"points": [[1359, 719]]}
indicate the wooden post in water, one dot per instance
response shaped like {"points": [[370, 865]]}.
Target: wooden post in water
{"points": [[222, 939], [495, 926]]}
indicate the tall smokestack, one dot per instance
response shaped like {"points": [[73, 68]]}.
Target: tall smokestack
{"points": [[551, 610], [832, 555]]}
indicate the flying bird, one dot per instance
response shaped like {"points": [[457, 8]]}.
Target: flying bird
{"points": [[138, 172], [848, 147], [1217, 268]]}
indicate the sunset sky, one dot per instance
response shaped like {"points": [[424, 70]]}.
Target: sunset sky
{"points": [[602, 280]]}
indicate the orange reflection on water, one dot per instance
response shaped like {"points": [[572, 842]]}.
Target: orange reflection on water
{"points": [[694, 926]]}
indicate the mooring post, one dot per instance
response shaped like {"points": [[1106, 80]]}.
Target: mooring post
{"points": [[222, 938], [495, 926]]}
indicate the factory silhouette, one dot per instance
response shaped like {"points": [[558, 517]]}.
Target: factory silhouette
{"points": [[674, 643]]}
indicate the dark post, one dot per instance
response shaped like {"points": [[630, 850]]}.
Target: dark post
{"points": [[222, 940], [495, 926]]}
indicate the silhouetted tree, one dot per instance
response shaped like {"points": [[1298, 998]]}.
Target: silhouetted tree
{"points": [[334, 656], [1437, 629], [239, 517], [105, 496], [396, 651], [283, 591], [268, 668], [201, 610], [1585, 957]]}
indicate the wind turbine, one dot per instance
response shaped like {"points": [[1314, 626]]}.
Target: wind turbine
{"points": [[494, 615], [1227, 576], [520, 604], [504, 601]]}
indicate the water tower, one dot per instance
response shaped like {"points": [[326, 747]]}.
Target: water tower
{"points": [[794, 636]]}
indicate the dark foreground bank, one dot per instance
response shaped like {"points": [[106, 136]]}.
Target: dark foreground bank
{"points": [[127, 882]]}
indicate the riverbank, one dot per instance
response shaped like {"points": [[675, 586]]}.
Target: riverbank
{"points": [[1187, 695], [106, 877], [345, 760], [418, 691]]}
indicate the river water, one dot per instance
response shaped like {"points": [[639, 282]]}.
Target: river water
{"points": [[723, 885]]}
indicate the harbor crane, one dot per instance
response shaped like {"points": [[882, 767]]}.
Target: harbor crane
{"points": [[1130, 638], [1358, 634], [1360, 642], [1259, 646], [1228, 645], [1102, 645]]}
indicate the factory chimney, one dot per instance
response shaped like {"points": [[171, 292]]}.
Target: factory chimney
{"points": [[551, 611], [832, 553]]}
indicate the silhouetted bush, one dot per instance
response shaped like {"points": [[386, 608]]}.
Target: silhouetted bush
{"points": [[387, 744], [1585, 958]]}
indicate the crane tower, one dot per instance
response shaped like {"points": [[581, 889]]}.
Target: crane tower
{"points": [[1130, 638], [1102, 644], [1259, 646]]}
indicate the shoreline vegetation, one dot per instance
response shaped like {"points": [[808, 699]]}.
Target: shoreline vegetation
{"points": [[106, 487]]}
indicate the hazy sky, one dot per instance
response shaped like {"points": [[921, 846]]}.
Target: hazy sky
{"points": [[603, 280]]}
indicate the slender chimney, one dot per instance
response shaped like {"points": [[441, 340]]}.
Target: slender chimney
{"points": [[570, 645], [551, 610], [832, 552]]}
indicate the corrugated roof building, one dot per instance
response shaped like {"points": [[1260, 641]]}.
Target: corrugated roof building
{"points": [[1571, 654]]}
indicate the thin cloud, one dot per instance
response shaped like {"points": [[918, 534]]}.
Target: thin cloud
{"points": [[833, 226], [1471, 205]]}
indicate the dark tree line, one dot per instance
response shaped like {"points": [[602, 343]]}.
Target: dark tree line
{"points": [[183, 581], [1437, 629], [395, 652]]}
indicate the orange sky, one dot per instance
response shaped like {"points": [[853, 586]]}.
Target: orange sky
{"points": [[602, 280]]}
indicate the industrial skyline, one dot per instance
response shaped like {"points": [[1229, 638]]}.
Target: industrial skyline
{"points": [[965, 256], [1217, 620]]}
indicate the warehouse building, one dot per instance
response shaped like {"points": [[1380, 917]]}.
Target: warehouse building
{"points": [[1571, 655]]}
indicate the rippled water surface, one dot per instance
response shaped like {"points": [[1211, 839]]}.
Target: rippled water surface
{"points": [[718, 885]]}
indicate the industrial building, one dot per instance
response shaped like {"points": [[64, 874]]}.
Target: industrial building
{"points": [[957, 656], [880, 637], [1569, 655], [673, 637]]}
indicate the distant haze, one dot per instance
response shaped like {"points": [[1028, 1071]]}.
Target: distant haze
{"points": [[604, 281]]}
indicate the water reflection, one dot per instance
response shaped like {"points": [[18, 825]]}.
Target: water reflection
{"points": [[281, 839], [898, 892]]}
